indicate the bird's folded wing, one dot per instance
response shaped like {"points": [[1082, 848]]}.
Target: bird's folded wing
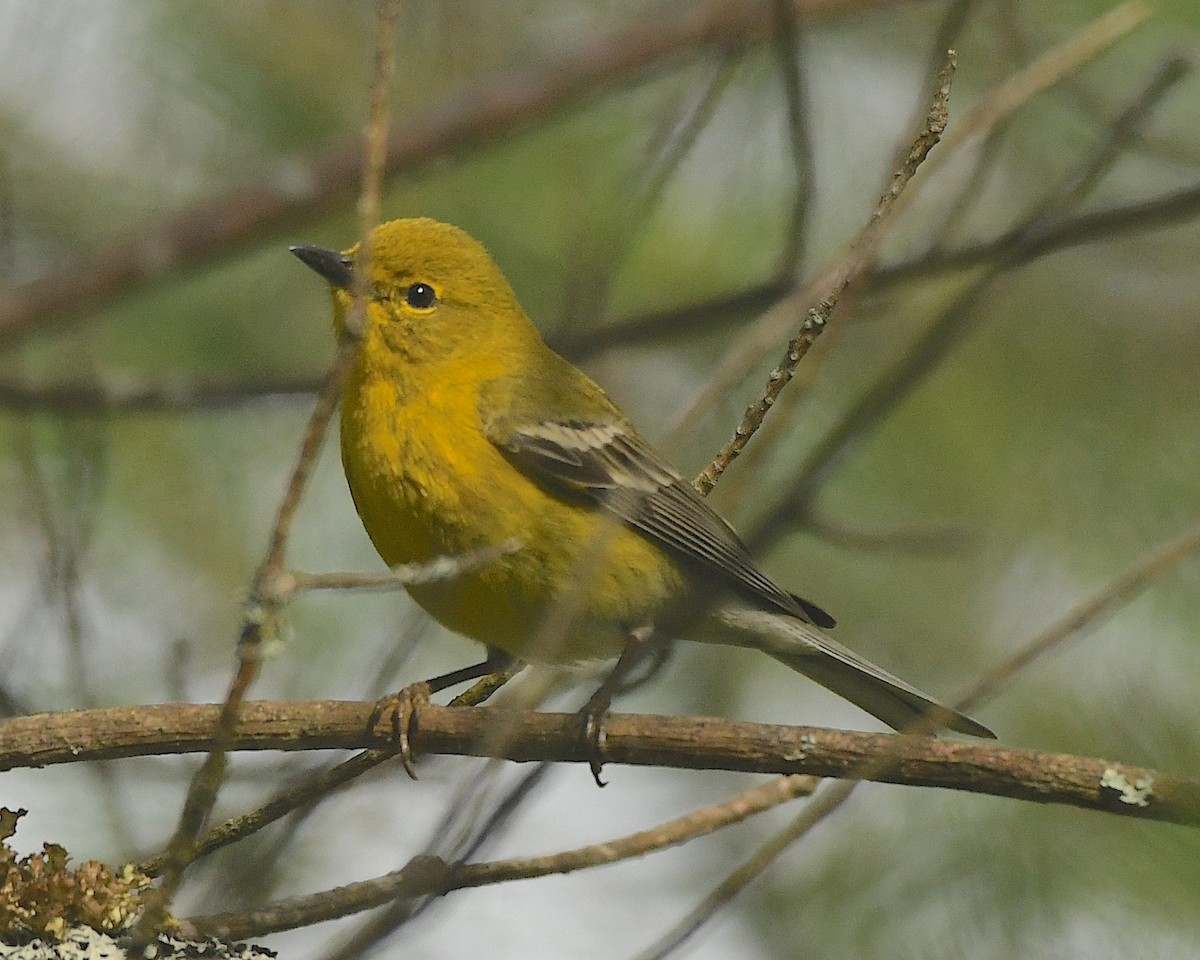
{"points": [[608, 463]]}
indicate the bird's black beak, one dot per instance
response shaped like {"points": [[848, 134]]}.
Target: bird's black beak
{"points": [[337, 268]]}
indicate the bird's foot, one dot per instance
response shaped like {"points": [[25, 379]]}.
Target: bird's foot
{"points": [[399, 711], [638, 642], [592, 715]]}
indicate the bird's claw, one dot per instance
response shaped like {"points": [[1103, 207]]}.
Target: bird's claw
{"points": [[594, 737], [399, 710]]}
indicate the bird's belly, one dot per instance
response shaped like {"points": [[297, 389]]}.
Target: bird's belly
{"points": [[559, 598], [576, 583]]}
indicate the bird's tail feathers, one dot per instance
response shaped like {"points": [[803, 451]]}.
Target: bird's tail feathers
{"points": [[806, 649]]}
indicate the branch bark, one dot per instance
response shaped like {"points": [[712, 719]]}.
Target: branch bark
{"points": [[696, 743]]}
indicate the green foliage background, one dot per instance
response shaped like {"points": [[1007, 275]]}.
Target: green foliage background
{"points": [[1059, 438]]}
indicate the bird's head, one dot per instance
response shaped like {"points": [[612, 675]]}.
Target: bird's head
{"points": [[431, 291]]}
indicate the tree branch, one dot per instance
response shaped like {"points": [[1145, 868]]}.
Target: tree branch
{"points": [[431, 875], [858, 258], [693, 743], [498, 106]]}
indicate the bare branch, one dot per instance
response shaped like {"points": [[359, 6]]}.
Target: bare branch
{"points": [[858, 257], [1019, 245], [688, 743], [496, 107], [825, 803], [263, 606], [787, 52], [425, 876]]}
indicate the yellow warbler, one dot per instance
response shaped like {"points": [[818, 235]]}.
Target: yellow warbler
{"points": [[461, 430]]}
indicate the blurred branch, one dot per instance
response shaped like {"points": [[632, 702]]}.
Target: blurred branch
{"points": [[942, 225], [867, 413], [399, 911], [936, 541], [1118, 134], [688, 743], [84, 399], [1092, 106], [302, 188], [1170, 209], [1050, 68], [426, 876], [313, 786], [1149, 568], [1121, 133], [262, 621], [697, 743], [68, 524], [495, 108], [1145, 571], [1018, 246], [861, 252], [788, 52], [825, 803], [688, 320], [264, 604], [673, 143], [683, 742], [288, 583], [587, 286]]}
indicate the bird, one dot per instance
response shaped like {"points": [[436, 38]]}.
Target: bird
{"points": [[462, 431]]}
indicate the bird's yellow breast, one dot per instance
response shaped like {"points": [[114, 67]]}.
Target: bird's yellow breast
{"points": [[427, 482]]}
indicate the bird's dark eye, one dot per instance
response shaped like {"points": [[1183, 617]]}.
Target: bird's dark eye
{"points": [[420, 296]]}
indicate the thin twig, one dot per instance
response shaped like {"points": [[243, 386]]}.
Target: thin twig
{"points": [[89, 399], [1128, 788], [261, 622], [496, 107], [439, 877], [1169, 209], [400, 910], [1178, 206], [825, 803], [1112, 784], [1048, 70], [923, 539], [957, 320], [788, 53], [1118, 135], [300, 794], [69, 529], [594, 272], [1070, 55], [311, 787], [402, 575], [858, 423], [858, 258], [675, 144], [950, 27], [263, 607], [1089, 96], [1151, 567]]}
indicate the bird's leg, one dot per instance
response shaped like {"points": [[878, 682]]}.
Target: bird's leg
{"points": [[654, 656], [497, 661], [400, 709], [503, 668], [637, 644]]}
